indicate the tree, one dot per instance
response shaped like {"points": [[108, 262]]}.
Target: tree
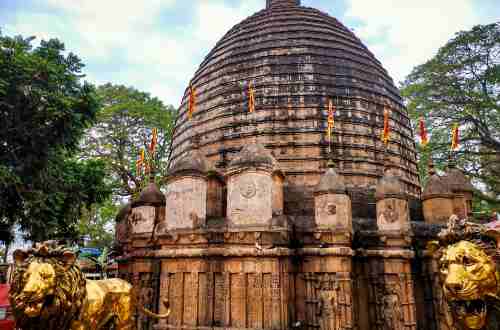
{"points": [[124, 127], [44, 110], [461, 85], [97, 222]]}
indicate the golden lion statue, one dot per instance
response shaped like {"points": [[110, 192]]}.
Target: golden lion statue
{"points": [[469, 273], [50, 292]]}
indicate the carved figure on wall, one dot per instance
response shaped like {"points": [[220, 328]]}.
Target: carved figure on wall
{"points": [[50, 292], [327, 310], [469, 276], [389, 215], [393, 318]]}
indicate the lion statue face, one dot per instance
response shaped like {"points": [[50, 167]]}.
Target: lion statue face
{"points": [[47, 287], [469, 280], [40, 282]]}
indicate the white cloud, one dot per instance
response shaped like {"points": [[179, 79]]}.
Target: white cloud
{"points": [[403, 34]]}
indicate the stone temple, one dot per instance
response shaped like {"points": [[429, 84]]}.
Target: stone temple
{"points": [[263, 223]]}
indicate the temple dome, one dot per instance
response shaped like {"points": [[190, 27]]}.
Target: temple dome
{"points": [[297, 58], [457, 181], [389, 186], [192, 162], [436, 186], [330, 182], [253, 155], [151, 195]]}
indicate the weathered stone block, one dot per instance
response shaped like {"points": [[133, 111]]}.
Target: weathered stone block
{"points": [[186, 203], [250, 199]]}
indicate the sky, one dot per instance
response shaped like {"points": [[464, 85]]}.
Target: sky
{"points": [[156, 45]]}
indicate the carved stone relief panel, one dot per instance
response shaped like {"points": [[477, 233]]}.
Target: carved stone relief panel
{"points": [[142, 219], [333, 211], [250, 199], [186, 203], [392, 214]]}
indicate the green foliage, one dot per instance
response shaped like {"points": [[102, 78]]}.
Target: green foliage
{"points": [[97, 224], [124, 127], [461, 84], [44, 111]]}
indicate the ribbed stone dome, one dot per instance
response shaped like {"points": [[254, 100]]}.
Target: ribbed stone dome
{"points": [[296, 59]]}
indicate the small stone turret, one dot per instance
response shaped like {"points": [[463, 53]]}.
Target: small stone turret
{"points": [[392, 203], [186, 201], [251, 188], [147, 210], [332, 203], [462, 191], [437, 199]]}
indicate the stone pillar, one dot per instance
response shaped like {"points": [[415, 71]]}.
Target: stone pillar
{"points": [[146, 213], [186, 200], [325, 277], [462, 191], [332, 203], [395, 296], [437, 199], [250, 188]]}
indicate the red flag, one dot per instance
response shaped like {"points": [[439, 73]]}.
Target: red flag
{"points": [[251, 98], [139, 163], [192, 101], [387, 131], [154, 141], [424, 139], [455, 139], [331, 119]]}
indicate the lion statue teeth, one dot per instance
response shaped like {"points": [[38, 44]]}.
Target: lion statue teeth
{"points": [[50, 292], [469, 272]]}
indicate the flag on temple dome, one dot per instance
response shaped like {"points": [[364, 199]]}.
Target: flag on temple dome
{"points": [[386, 132], [139, 163], [154, 141], [424, 138], [455, 139], [251, 98], [192, 101], [331, 119]]}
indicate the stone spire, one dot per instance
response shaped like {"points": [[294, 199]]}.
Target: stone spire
{"points": [[282, 3]]}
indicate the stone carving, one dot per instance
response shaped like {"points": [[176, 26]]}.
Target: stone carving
{"points": [[327, 310], [389, 214], [247, 188], [331, 209]]}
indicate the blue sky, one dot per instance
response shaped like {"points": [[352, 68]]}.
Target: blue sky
{"points": [[156, 45]]}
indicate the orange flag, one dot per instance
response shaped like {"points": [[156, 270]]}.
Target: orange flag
{"points": [[424, 139], [154, 141], [192, 101], [139, 163], [455, 139], [387, 131], [251, 98], [331, 119]]}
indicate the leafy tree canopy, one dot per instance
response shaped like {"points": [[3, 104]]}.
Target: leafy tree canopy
{"points": [[124, 127], [461, 85], [44, 111]]}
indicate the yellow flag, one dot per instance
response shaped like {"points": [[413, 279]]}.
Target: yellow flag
{"points": [[455, 139], [192, 101], [251, 98], [387, 131], [331, 119]]}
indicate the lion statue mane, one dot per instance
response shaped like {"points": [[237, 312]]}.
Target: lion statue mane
{"points": [[49, 291], [469, 273]]}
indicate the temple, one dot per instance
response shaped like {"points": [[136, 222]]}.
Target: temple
{"points": [[264, 223]]}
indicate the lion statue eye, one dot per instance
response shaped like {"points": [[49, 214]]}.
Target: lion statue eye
{"points": [[468, 261], [45, 275]]}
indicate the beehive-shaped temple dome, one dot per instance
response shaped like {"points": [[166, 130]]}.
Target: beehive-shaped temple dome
{"points": [[296, 59]]}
